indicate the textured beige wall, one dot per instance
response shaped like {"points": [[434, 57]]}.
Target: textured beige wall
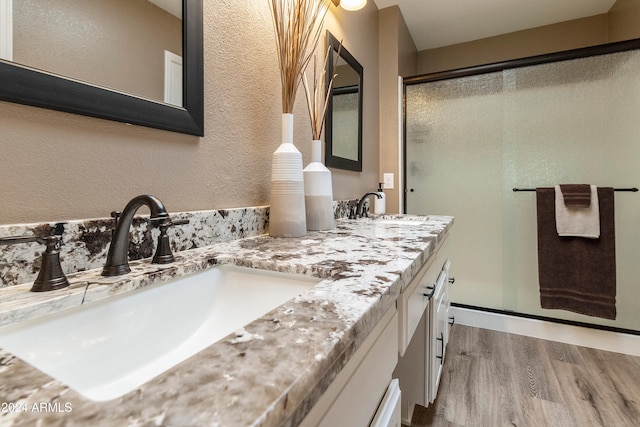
{"points": [[398, 57], [407, 51], [56, 166], [537, 41], [624, 19]]}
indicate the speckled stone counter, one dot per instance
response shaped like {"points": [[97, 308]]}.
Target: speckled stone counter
{"points": [[271, 372]]}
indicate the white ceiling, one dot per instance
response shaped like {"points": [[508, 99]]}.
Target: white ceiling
{"points": [[174, 7], [436, 23]]}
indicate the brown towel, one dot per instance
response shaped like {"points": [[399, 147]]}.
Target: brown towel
{"points": [[576, 195], [577, 274]]}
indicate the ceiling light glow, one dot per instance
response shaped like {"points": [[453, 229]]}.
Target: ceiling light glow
{"points": [[353, 4]]}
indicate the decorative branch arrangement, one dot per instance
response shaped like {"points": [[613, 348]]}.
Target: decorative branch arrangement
{"points": [[298, 25], [318, 96]]}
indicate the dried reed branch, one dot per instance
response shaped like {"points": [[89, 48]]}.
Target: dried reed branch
{"points": [[298, 25], [318, 98]]}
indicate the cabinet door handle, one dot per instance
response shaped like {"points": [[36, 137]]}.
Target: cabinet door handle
{"points": [[430, 294], [441, 339], [452, 320], [452, 280]]}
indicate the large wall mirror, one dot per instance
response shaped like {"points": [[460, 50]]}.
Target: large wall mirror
{"points": [[343, 132], [133, 61]]}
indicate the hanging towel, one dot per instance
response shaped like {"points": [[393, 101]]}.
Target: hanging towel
{"points": [[578, 222], [576, 195], [577, 274]]}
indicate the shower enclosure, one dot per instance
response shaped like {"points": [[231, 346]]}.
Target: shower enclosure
{"points": [[473, 135]]}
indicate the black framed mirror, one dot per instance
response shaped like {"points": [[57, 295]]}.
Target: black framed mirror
{"points": [[30, 86], [343, 132]]}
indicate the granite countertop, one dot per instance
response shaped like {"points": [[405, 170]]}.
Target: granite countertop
{"points": [[269, 373]]}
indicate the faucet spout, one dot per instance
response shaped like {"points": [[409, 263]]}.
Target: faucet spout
{"points": [[117, 258], [360, 210]]}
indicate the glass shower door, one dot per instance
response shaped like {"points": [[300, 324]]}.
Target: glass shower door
{"points": [[454, 167], [470, 140]]}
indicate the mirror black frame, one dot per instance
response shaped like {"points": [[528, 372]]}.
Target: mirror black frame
{"points": [[33, 87], [329, 159]]}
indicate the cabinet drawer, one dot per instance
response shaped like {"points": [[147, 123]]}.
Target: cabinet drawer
{"points": [[414, 301]]}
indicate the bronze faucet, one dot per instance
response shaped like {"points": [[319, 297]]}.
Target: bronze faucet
{"points": [[117, 258], [360, 209], [50, 277]]}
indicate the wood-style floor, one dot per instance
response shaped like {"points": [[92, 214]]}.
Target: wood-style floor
{"points": [[495, 379]]}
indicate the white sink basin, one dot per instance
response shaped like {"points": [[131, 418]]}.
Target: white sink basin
{"points": [[106, 349]]}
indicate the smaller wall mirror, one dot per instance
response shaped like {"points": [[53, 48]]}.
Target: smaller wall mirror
{"points": [[343, 134]]}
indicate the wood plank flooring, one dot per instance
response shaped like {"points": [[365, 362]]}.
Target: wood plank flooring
{"points": [[495, 379]]}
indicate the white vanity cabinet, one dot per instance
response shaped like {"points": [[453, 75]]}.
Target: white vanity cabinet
{"points": [[424, 334], [399, 364], [363, 393]]}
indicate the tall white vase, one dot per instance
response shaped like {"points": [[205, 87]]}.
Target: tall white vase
{"points": [[318, 192], [287, 216]]}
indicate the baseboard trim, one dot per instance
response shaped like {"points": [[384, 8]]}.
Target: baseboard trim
{"points": [[570, 334], [407, 422]]}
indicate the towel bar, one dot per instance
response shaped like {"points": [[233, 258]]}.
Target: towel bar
{"points": [[633, 189]]}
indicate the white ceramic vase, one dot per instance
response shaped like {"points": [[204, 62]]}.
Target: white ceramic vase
{"points": [[287, 217], [318, 192]]}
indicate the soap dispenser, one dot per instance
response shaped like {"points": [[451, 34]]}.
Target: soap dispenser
{"points": [[379, 204]]}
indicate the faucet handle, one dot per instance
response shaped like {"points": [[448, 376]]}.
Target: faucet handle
{"points": [[12, 240], [177, 222], [159, 221], [163, 253], [50, 277], [353, 212], [116, 216]]}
